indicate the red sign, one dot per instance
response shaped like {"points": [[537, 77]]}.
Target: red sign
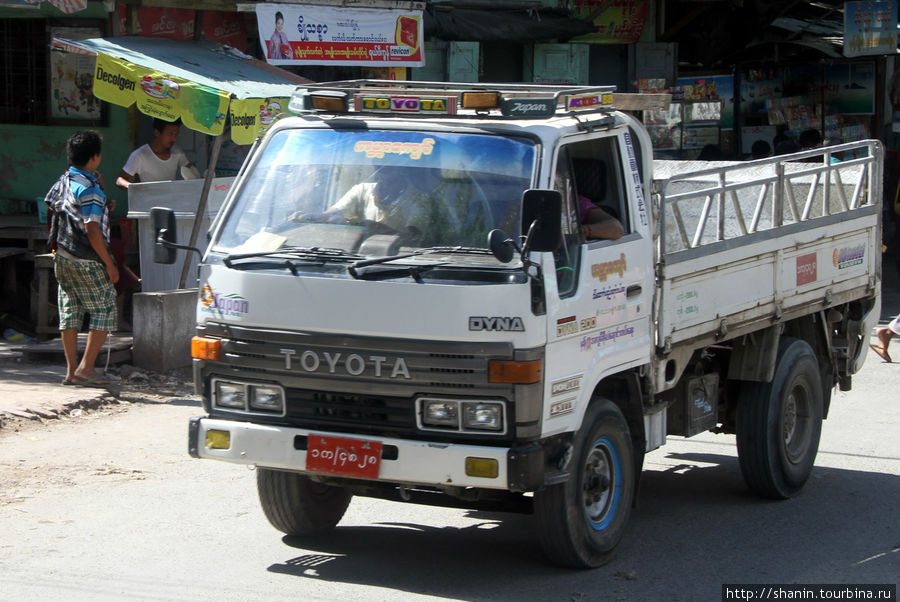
{"points": [[346, 457], [172, 23], [225, 28], [806, 269]]}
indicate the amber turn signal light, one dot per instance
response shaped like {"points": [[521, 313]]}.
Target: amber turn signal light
{"points": [[515, 373], [206, 348]]}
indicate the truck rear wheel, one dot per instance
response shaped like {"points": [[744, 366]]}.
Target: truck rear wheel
{"points": [[297, 505], [779, 423], [581, 521]]}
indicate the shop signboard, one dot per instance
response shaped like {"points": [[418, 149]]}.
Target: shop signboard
{"points": [[224, 28], [616, 21], [870, 28], [297, 34], [156, 22]]}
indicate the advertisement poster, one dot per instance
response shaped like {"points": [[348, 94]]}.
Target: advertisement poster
{"points": [[758, 88], [713, 87], [72, 79], [870, 28], [160, 95], [251, 116], [296, 34], [850, 88], [617, 21]]}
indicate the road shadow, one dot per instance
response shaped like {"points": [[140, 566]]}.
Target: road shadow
{"points": [[696, 525]]}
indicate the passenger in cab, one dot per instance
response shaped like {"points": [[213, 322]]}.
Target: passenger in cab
{"points": [[596, 222]]}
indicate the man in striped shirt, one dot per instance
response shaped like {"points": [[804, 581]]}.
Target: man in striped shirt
{"points": [[84, 266]]}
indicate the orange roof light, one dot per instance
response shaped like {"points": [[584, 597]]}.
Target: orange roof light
{"points": [[480, 100], [329, 100]]}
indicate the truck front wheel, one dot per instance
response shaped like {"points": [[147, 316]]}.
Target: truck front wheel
{"points": [[297, 505], [581, 521], [779, 423]]}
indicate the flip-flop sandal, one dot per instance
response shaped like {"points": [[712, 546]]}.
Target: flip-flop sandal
{"points": [[881, 351], [67, 382]]}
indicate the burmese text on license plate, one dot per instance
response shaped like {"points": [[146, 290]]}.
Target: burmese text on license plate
{"points": [[338, 455]]}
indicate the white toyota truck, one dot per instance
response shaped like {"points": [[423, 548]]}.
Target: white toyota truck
{"points": [[398, 301]]}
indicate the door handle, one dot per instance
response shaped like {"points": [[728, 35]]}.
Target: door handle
{"points": [[633, 291]]}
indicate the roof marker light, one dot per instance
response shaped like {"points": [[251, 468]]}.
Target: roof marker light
{"points": [[480, 100], [333, 101]]}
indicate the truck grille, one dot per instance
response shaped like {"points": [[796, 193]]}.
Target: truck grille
{"points": [[356, 384]]}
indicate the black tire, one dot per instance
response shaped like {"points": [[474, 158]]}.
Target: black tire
{"points": [[779, 423], [297, 505], [581, 521]]}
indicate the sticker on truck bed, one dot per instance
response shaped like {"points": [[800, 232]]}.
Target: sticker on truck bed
{"points": [[807, 269], [848, 256]]}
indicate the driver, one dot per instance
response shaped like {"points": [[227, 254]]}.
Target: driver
{"points": [[390, 199]]}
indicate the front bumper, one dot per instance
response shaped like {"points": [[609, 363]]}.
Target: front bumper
{"points": [[407, 462]]}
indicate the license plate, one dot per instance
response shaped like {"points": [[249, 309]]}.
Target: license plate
{"points": [[341, 456]]}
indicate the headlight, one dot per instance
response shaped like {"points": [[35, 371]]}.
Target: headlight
{"points": [[267, 399], [230, 395], [248, 397], [483, 416], [461, 416], [440, 413]]}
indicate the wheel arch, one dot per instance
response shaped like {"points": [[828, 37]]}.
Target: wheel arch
{"points": [[625, 391]]}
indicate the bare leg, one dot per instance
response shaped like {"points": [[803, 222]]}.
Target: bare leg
{"points": [[95, 340], [70, 349], [884, 336]]}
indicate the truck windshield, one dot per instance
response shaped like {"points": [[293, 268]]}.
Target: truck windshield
{"points": [[379, 193]]}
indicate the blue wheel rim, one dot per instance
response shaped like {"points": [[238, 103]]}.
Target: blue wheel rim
{"points": [[602, 483]]}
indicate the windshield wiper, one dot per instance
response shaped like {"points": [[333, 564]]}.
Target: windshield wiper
{"points": [[413, 271], [388, 258], [319, 255]]}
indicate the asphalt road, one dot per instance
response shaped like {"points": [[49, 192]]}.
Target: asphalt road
{"points": [[109, 506]]}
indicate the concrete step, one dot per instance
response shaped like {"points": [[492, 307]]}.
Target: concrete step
{"points": [[51, 351]]}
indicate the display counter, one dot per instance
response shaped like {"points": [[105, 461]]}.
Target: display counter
{"points": [[183, 197]]}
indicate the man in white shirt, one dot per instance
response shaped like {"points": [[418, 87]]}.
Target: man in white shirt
{"points": [[390, 199], [158, 161]]}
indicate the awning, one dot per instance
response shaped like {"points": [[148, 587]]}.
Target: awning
{"points": [[200, 82]]}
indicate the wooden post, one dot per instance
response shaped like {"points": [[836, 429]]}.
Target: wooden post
{"points": [[201, 208]]}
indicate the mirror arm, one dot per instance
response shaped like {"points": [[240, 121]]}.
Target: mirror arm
{"points": [[525, 252], [172, 245]]}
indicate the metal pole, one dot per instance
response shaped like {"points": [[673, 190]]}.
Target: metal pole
{"points": [[201, 208]]}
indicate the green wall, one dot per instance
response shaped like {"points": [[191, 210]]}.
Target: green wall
{"points": [[33, 156]]}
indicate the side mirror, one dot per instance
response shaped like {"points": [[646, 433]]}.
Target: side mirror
{"points": [[501, 246], [541, 219], [162, 221]]}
